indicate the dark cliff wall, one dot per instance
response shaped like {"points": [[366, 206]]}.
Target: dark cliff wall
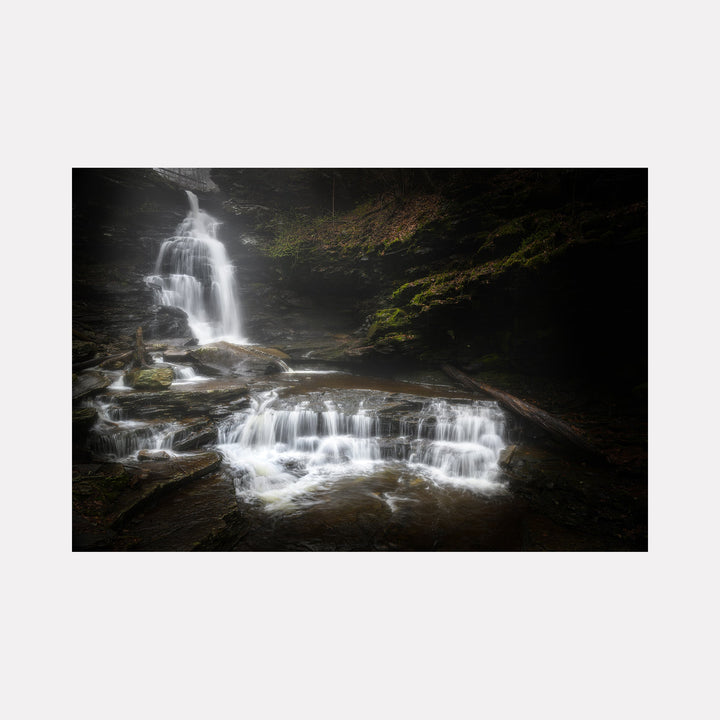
{"points": [[536, 270], [120, 217]]}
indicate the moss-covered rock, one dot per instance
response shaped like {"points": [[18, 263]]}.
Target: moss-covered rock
{"points": [[149, 378]]}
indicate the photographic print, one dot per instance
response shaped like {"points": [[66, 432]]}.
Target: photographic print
{"points": [[359, 359]]}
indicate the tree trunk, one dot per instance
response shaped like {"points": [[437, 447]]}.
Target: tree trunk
{"points": [[557, 428], [140, 353]]}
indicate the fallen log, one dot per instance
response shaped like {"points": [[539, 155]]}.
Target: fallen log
{"points": [[99, 360], [552, 425]]}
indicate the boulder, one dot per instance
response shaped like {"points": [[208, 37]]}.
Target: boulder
{"points": [[224, 358], [153, 378], [88, 382], [153, 455], [167, 321], [174, 355]]}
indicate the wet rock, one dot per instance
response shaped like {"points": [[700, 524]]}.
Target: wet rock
{"points": [[83, 419], [194, 436], [153, 480], [153, 455], [155, 378], [183, 403], [224, 358], [506, 457], [177, 356], [89, 383], [95, 489], [167, 322]]}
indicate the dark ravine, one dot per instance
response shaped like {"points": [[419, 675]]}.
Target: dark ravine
{"points": [[538, 416], [530, 282]]}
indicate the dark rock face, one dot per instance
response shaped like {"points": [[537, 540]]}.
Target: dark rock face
{"points": [[83, 350], [83, 418], [534, 268], [88, 383], [120, 218], [167, 322]]}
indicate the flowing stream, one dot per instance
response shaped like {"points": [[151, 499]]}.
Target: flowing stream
{"points": [[333, 449]]}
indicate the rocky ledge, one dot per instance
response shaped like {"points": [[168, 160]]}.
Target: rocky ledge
{"points": [[107, 495], [223, 359]]}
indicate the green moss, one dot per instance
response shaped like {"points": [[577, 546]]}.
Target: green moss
{"points": [[514, 227], [386, 322], [397, 341], [376, 227], [404, 292]]}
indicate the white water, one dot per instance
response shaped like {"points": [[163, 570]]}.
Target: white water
{"points": [[466, 441], [193, 273], [115, 438], [183, 374], [279, 454]]}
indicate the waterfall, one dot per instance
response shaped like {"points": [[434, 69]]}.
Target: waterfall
{"points": [[281, 452], [193, 273]]}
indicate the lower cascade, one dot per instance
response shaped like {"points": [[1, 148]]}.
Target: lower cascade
{"points": [[281, 451]]}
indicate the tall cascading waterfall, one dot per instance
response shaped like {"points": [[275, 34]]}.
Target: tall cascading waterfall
{"points": [[193, 272], [280, 453]]}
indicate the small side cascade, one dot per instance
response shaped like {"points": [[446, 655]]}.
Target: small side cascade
{"points": [[464, 441], [114, 438], [193, 273]]}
